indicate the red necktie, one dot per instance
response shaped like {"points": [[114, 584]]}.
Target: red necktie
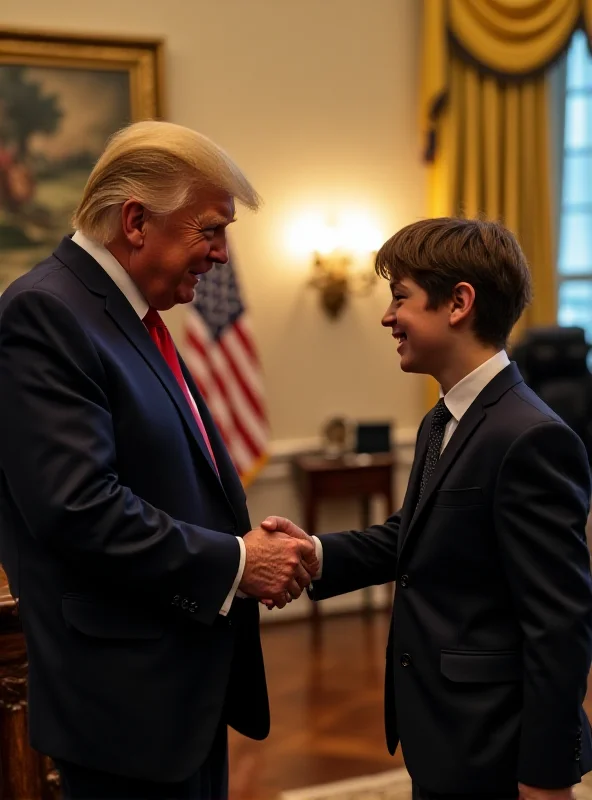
{"points": [[159, 333]]}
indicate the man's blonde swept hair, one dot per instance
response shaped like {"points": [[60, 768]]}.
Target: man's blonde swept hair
{"points": [[161, 165]]}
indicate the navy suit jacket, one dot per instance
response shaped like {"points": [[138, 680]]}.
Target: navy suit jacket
{"points": [[491, 637], [117, 535]]}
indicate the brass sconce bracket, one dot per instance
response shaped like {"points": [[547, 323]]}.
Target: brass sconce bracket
{"points": [[333, 277]]}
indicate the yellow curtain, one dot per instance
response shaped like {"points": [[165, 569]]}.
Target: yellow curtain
{"points": [[485, 117]]}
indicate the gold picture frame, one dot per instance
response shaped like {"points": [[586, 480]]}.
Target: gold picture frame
{"points": [[61, 97]]}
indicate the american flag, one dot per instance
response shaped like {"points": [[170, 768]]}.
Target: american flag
{"points": [[221, 356]]}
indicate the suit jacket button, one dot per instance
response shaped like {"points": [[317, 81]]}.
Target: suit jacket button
{"points": [[185, 603], [404, 581], [193, 607], [405, 660], [176, 600]]}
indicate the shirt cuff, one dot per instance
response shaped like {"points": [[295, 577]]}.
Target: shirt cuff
{"points": [[239, 576], [319, 555]]}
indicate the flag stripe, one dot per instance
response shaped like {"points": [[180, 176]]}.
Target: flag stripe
{"points": [[238, 375], [251, 370], [232, 391], [231, 397], [220, 353], [244, 332]]}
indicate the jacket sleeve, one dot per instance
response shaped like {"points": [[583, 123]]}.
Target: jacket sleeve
{"points": [[541, 505], [58, 459], [355, 559]]}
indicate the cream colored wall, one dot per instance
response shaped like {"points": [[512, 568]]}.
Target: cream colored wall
{"points": [[317, 101]]}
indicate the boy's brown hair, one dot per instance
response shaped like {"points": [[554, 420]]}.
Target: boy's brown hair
{"points": [[439, 253]]}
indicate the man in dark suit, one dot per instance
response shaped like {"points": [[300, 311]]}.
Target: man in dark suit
{"points": [[124, 529], [491, 637]]}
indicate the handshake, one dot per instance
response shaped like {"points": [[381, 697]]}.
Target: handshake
{"points": [[281, 562]]}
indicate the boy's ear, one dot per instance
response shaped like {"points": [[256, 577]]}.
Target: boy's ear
{"points": [[462, 303]]}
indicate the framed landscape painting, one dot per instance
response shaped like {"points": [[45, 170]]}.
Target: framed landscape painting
{"points": [[61, 97]]}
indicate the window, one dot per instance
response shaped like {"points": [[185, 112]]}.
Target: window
{"points": [[575, 240]]}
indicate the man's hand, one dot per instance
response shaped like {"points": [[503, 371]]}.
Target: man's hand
{"points": [[277, 565], [284, 525], [532, 793]]}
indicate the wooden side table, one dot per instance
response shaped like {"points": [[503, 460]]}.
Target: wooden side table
{"points": [[24, 773], [363, 476]]}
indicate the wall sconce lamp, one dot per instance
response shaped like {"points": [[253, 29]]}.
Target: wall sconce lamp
{"points": [[338, 274], [342, 255]]}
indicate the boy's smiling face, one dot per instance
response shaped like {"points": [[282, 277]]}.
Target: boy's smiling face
{"points": [[423, 333]]}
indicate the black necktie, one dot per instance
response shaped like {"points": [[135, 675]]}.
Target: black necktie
{"points": [[440, 419]]}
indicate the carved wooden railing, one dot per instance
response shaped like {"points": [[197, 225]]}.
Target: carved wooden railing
{"points": [[24, 773]]}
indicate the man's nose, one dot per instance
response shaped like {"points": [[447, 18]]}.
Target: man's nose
{"points": [[219, 253]]}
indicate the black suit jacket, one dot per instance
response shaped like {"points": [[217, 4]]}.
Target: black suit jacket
{"points": [[117, 535], [491, 637]]}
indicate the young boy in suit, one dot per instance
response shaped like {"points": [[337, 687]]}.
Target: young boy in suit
{"points": [[491, 637]]}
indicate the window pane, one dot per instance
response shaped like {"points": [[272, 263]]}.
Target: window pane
{"points": [[575, 305], [579, 66], [575, 248], [578, 121], [577, 180]]}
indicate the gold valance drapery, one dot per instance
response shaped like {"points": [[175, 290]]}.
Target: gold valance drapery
{"points": [[509, 38]]}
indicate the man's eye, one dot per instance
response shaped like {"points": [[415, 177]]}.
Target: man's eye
{"points": [[398, 297]]}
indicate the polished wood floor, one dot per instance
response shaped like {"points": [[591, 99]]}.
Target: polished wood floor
{"points": [[326, 696]]}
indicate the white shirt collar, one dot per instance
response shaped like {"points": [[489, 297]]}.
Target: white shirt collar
{"points": [[115, 271], [462, 395]]}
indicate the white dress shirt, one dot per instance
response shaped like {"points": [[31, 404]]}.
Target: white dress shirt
{"points": [[465, 392], [457, 401], [128, 288]]}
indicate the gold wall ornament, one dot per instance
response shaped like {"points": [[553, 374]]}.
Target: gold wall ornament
{"points": [[336, 279]]}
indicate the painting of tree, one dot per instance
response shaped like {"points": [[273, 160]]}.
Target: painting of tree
{"points": [[26, 110], [61, 97], [53, 125]]}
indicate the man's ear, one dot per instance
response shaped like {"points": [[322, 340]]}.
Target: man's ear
{"points": [[462, 303], [133, 222]]}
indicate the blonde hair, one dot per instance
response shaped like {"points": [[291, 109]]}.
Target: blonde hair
{"points": [[161, 165]]}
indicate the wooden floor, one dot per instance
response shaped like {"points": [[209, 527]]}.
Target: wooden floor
{"points": [[326, 696]]}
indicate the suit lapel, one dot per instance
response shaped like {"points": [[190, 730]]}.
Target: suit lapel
{"points": [[228, 475], [134, 329], [117, 307], [467, 426], [465, 429], [412, 493]]}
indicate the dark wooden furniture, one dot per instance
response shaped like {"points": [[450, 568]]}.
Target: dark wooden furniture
{"points": [[363, 476], [25, 774]]}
